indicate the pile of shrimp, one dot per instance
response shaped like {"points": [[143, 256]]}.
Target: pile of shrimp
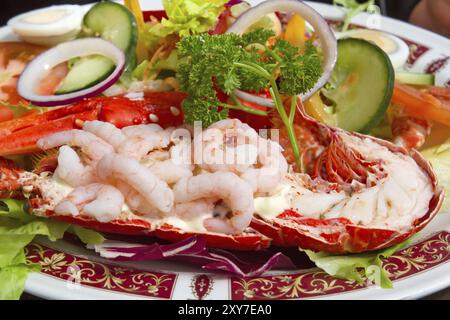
{"points": [[174, 172]]}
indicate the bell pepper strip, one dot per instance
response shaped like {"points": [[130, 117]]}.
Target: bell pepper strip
{"points": [[426, 103], [154, 14], [135, 8], [295, 31]]}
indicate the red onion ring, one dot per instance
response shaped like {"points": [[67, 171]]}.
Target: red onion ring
{"points": [[325, 35], [44, 62]]}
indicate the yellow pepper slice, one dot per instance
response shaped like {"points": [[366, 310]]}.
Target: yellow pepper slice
{"points": [[295, 31], [135, 8]]}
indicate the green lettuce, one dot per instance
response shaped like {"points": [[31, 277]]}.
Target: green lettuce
{"points": [[86, 235], [185, 17], [169, 63], [353, 9], [439, 156], [17, 230], [358, 267]]}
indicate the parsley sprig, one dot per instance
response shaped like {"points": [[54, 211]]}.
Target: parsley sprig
{"points": [[229, 62]]}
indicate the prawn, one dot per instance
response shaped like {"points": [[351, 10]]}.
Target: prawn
{"points": [[106, 131], [71, 170], [142, 139], [235, 193], [114, 168], [227, 145], [91, 145], [100, 201], [273, 167], [191, 209]]}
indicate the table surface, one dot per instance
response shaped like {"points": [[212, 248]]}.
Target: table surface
{"points": [[441, 295]]}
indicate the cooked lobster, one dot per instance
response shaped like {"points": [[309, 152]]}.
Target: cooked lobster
{"points": [[332, 204]]}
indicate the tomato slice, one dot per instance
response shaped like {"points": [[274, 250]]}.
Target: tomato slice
{"points": [[52, 79], [255, 121], [18, 50], [23, 53], [5, 114]]}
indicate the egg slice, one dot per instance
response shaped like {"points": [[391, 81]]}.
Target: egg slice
{"points": [[395, 48], [48, 26]]}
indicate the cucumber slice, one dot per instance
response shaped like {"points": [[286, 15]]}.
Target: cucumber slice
{"points": [[361, 85], [415, 78], [85, 73], [114, 22]]}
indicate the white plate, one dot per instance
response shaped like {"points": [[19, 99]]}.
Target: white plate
{"points": [[72, 272]]}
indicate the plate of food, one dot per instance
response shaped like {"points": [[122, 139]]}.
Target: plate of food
{"points": [[222, 150]]}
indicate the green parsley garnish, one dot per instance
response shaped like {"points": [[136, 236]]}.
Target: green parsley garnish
{"points": [[229, 62]]}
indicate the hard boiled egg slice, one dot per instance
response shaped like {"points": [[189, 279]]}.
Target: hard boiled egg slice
{"points": [[396, 48], [48, 26]]}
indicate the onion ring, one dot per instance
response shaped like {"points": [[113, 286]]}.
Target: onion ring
{"points": [[44, 62]]}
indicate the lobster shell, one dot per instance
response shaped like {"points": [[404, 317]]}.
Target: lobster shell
{"points": [[287, 229], [341, 235]]}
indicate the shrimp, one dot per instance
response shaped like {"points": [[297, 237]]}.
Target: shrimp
{"points": [[91, 145], [227, 145], [136, 202], [169, 172], [106, 131], [142, 139], [191, 209], [71, 170], [141, 130], [236, 194], [100, 201], [114, 168], [156, 155], [171, 165], [273, 167], [410, 132]]}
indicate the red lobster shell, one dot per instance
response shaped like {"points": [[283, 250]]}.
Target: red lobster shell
{"points": [[341, 235], [289, 228]]}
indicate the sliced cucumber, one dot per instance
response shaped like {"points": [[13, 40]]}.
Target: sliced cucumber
{"points": [[361, 85], [85, 73], [114, 22], [415, 78]]}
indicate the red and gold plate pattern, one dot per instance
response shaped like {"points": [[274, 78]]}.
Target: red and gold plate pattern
{"points": [[85, 272], [405, 263], [408, 262]]}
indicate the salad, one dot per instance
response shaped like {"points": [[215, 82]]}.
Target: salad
{"points": [[233, 137]]}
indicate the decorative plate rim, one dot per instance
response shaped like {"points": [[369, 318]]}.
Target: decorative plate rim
{"points": [[410, 287]]}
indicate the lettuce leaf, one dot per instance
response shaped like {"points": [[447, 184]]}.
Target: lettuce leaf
{"points": [[353, 9], [360, 267], [14, 275], [169, 63], [185, 17], [87, 236], [439, 156], [17, 230]]}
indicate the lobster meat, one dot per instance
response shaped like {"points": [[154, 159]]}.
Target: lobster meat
{"points": [[334, 161], [338, 168]]}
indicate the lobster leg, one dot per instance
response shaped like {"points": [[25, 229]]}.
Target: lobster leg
{"points": [[19, 136]]}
